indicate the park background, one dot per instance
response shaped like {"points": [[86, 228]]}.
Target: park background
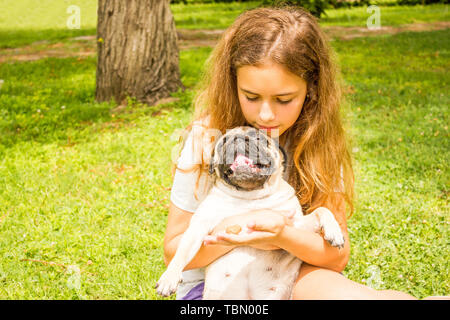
{"points": [[84, 186]]}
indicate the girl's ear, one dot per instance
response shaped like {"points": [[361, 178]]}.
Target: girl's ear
{"points": [[211, 163]]}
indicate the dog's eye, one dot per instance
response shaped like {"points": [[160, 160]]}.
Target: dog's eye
{"points": [[229, 172]]}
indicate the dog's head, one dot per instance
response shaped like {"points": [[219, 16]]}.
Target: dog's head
{"points": [[246, 158]]}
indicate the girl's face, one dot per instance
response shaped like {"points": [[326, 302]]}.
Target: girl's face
{"points": [[271, 97]]}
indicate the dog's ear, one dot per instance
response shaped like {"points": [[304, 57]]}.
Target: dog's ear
{"points": [[211, 163], [284, 161]]}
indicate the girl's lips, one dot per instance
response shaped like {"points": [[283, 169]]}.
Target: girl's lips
{"points": [[267, 128]]}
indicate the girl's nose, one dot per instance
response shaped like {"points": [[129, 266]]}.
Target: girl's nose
{"points": [[265, 113]]}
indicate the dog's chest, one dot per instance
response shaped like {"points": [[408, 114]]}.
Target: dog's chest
{"points": [[246, 272], [283, 199]]}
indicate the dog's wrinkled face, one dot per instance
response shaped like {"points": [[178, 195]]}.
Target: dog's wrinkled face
{"points": [[246, 158]]}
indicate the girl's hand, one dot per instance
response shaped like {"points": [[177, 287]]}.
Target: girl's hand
{"points": [[259, 229]]}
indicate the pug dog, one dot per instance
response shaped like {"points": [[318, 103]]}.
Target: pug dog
{"points": [[248, 167]]}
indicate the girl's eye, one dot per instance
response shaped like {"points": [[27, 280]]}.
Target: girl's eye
{"points": [[279, 101], [284, 101], [251, 99]]}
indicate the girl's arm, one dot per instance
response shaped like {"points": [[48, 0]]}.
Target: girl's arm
{"points": [[177, 223]]}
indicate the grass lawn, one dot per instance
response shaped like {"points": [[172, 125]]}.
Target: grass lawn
{"points": [[399, 123], [389, 15], [84, 191]]}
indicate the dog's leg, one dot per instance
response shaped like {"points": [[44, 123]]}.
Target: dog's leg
{"points": [[322, 220], [190, 243]]}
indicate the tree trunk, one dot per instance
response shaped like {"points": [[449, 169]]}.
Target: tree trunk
{"points": [[137, 51]]}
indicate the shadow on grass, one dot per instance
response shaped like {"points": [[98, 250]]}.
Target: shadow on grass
{"points": [[53, 100]]}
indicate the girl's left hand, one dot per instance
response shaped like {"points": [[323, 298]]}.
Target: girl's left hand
{"points": [[261, 232]]}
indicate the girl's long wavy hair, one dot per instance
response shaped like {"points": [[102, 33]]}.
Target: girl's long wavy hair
{"points": [[291, 37]]}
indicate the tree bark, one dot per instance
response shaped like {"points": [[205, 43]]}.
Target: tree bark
{"points": [[137, 51]]}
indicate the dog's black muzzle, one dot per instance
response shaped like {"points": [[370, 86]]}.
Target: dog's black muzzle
{"points": [[252, 145]]}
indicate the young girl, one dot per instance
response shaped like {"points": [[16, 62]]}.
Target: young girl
{"points": [[274, 70]]}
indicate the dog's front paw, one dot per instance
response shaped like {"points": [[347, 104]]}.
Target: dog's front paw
{"points": [[168, 283], [333, 234], [335, 239]]}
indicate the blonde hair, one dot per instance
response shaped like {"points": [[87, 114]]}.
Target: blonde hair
{"points": [[291, 37]]}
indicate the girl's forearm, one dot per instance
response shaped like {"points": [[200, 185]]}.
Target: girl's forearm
{"points": [[312, 248], [205, 255], [208, 254]]}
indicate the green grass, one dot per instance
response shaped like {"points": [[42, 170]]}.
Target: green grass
{"points": [[82, 186], [400, 129], [99, 205], [36, 111], [87, 188], [389, 15]]}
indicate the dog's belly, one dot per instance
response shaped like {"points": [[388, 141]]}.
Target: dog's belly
{"points": [[248, 273]]}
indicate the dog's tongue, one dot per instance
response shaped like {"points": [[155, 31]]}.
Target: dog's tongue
{"points": [[242, 161]]}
